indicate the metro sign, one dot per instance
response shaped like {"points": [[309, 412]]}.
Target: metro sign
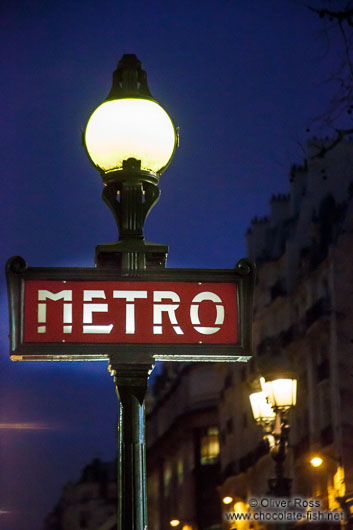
{"points": [[175, 314]]}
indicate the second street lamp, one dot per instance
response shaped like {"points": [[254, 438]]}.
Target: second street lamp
{"points": [[280, 388], [270, 408]]}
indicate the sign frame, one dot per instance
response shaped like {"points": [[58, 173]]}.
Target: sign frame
{"points": [[17, 273]]}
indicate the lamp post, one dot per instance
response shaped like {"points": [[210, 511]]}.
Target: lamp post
{"points": [[181, 524], [270, 408], [130, 139]]}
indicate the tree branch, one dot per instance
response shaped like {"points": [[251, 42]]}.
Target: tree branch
{"points": [[341, 133], [340, 16]]}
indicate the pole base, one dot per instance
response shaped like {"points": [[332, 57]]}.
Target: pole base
{"points": [[279, 487]]}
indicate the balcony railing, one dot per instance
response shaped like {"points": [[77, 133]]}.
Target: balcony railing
{"points": [[319, 309], [273, 345]]}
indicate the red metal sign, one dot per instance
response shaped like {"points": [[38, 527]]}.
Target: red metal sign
{"points": [[130, 312], [99, 314]]}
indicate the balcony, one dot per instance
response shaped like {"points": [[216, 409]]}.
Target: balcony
{"points": [[268, 346], [302, 447], [278, 289], [326, 435], [320, 309], [248, 460], [323, 370]]}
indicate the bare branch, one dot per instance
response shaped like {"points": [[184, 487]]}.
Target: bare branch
{"points": [[347, 48], [340, 16], [337, 116], [341, 133]]}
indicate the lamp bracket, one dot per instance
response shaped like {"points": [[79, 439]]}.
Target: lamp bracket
{"points": [[130, 202], [130, 194]]}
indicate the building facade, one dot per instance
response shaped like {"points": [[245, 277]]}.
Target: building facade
{"points": [[203, 444], [88, 504], [183, 451], [303, 312]]}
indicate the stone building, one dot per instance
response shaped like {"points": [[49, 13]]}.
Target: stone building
{"points": [[304, 312], [89, 503], [183, 449]]}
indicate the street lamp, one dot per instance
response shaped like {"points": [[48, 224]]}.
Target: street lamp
{"points": [[337, 489], [227, 499], [280, 387], [174, 522], [270, 407], [130, 139], [183, 525], [316, 461]]}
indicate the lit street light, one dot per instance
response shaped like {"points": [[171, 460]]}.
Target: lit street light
{"points": [[270, 407], [316, 461], [183, 525], [174, 522], [333, 468], [130, 139], [124, 310], [227, 499]]}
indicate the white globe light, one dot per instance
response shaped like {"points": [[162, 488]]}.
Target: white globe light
{"points": [[130, 128]]}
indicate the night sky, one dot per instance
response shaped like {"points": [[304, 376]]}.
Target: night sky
{"points": [[241, 78]]}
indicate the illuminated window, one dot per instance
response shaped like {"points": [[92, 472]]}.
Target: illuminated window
{"points": [[167, 477], [180, 470], [153, 486], [209, 446]]}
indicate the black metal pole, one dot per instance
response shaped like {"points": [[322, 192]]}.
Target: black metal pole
{"points": [[281, 485], [131, 192], [130, 200], [131, 385]]}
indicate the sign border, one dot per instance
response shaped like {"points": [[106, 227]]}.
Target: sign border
{"points": [[17, 272]]}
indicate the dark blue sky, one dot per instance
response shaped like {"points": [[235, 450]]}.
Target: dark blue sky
{"points": [[241, 78]]}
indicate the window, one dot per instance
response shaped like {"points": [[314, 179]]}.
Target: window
{"points": [[228, 381], [229, 426], [167, 477], [180, 470], [83, 523], [323, 370], [209, 446], [245, 420]]}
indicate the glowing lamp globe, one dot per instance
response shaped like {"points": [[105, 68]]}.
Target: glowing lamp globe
{"points": [[130, 126], [316, 461], [282, 393]]}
